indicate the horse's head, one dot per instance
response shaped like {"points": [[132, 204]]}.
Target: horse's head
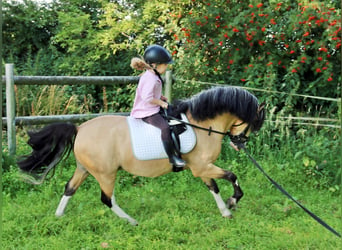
{"points": [[212, 103], [240, 131]]}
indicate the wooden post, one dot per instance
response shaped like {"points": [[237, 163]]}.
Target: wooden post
{"points": [[168, 83], [10, 109]]}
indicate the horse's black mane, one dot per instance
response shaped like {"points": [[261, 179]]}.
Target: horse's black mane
{"points": [[210, 103]]}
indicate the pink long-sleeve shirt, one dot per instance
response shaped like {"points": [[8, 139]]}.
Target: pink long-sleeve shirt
{"points": [[149, 88]]}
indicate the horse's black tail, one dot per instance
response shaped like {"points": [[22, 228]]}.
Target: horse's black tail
{"points": [[49, 146]]}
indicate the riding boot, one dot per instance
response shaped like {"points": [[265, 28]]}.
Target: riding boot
{"points": [[174, 159]]}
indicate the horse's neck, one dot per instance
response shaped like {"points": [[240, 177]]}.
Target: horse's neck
{"points": [[221, 123]]}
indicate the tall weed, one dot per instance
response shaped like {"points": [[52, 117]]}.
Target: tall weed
{"points": [[46, 100]]}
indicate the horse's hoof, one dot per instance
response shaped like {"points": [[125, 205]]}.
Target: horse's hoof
{"points": [[231, 203], [133, 222], [58, 215], [228, 216]]}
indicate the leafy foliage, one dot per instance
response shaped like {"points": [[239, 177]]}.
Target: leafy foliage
{"points": [[27, 29], [289, 47]]}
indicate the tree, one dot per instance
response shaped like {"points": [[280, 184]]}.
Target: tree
{"points": [[27, 28], [288, 47], [291, 47]]}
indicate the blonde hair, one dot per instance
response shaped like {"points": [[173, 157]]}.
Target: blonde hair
{"points": [[139, 64]]}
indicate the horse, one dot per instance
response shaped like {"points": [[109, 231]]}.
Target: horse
{"points": [[102, 146]]}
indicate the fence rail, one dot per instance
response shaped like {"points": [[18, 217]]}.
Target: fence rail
{"points": [[47, 119], [72, 80], [265, 90], [11, 121], [10, 80]]}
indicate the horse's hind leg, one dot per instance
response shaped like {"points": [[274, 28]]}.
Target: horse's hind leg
{"points": [[107, 197], [70, 188]]}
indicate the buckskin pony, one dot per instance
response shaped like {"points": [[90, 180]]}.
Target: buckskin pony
{"points": [[102, 146]]}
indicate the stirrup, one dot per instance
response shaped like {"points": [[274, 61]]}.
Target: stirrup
{"points": [[177, 162]]}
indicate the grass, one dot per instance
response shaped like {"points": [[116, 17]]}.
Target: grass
{"points": [[174, 211]]}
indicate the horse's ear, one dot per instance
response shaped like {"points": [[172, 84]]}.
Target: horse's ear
{"points": [[261, 106], [260, 117]]}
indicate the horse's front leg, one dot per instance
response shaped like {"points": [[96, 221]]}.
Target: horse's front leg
{"points": [[214, 190], [211, 172], [234, 199]]}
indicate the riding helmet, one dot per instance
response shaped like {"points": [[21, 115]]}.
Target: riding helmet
{"points": [[157, 54]]}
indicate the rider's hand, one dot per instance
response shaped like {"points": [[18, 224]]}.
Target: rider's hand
{"points": [[163, 98], [164, 105]]}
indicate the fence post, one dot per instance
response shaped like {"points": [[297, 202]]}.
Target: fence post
{"points": [[10, 109], [168, 83]]}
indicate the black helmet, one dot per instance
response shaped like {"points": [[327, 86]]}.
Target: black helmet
{"points": [[157, 54]]}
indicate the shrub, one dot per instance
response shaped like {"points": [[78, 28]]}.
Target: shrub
{"points": [[289, 47]]}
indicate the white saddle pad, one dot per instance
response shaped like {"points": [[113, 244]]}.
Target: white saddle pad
{"points": [[146, 139]]}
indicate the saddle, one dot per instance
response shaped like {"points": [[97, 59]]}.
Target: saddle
{"points": [[146, 138]]}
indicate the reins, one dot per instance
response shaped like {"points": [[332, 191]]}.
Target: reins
{"points": [[236, 139], [240, 140], [280, 188], [210, 130]]}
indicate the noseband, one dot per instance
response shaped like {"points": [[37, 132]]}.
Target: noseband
{"points": [[240, 139]]}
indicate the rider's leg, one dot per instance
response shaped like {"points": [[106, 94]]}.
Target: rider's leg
{"points": [[158, 121]]}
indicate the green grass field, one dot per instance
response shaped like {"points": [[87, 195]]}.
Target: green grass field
{"points": [[174, 211]]}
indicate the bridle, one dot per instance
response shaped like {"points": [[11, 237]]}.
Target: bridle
{"points": [[241, 139]]}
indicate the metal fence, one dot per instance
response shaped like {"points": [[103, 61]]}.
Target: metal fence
{"points": [[11, 120]]}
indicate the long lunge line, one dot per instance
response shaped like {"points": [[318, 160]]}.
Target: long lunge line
{"points": [[281, 189]]}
